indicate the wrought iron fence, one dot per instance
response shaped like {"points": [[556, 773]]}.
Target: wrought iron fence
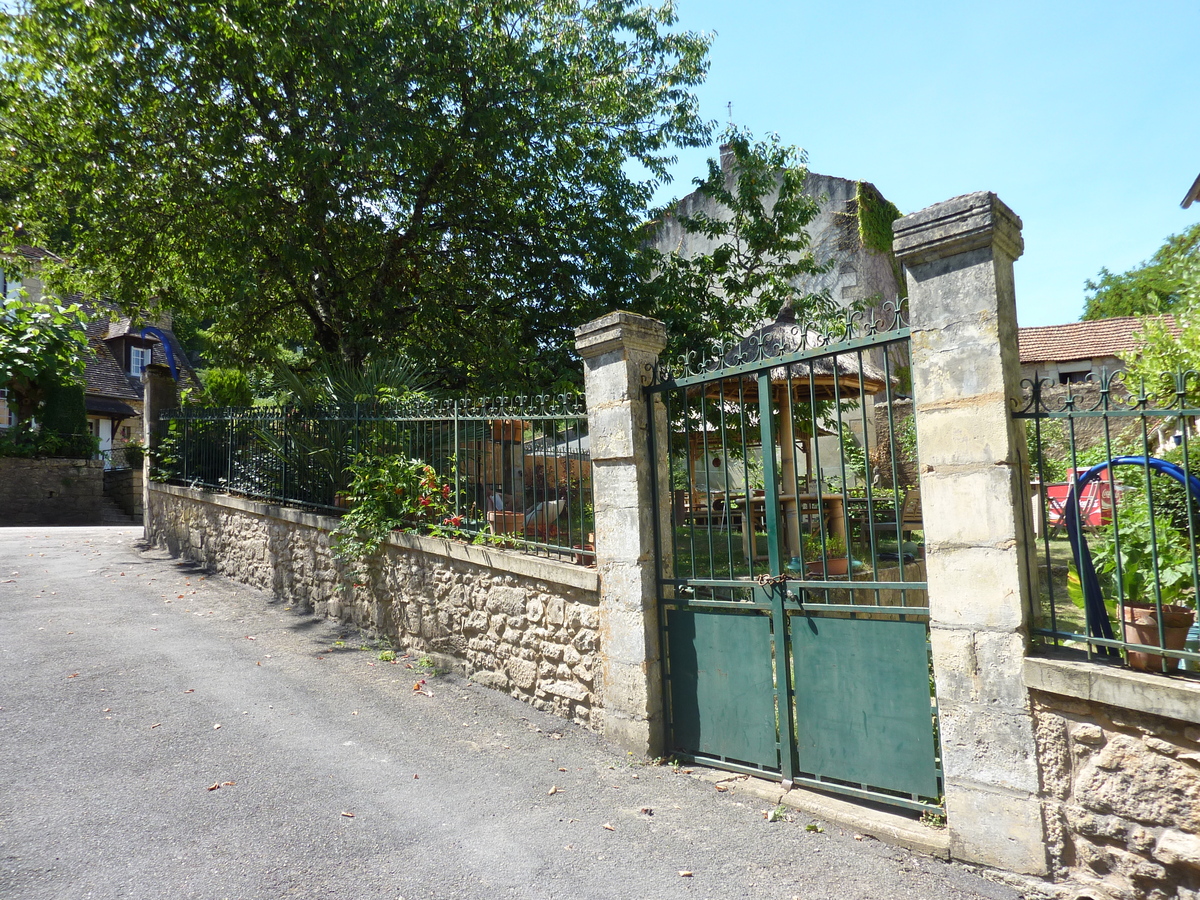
{"points": [[1115, 500], [519, 469]]}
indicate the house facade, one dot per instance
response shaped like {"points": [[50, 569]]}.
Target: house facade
{"points": [[119, 349], [1079, 351]]}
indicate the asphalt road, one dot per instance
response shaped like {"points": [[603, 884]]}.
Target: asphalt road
{"points": [[131, 685]]}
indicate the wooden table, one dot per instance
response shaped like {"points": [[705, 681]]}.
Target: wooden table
{"points": [[832, 509]]}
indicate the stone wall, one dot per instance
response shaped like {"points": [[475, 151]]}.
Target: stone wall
{"points": [[520, 624], [125, 487], [1120, 780], [50, 491], [1122, 798]]}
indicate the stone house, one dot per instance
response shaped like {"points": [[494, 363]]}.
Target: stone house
{"points": [[1077, 351], [119, 351]]}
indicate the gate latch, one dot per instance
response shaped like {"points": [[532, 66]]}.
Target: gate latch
{"points": [[766, 580]]}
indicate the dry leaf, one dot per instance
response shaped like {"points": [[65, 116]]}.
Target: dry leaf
{"points": [[415, 777], [259, 663], [561, 769], [156, 724], [73, 675], [213, 786], [646, 810], [190, 691], [348, 815], [107, 710], [228, 783], [607, 827], [684, 873], [554, 790], [720, 788], [251, 638], [858, 837]]}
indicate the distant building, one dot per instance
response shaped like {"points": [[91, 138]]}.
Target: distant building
{"points": [[1066, 354], [120, 350], [857, 273]]}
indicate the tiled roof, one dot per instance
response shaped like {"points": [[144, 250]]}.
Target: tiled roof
{"points": [[1083, 340], [105, 376]]}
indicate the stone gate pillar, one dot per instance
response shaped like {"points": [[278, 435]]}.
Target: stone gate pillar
{"points": [[617, 350], [959, 259], [160, 393]]}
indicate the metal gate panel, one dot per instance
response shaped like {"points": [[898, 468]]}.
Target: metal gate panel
{"points": [[863, 711], [722, 686]]}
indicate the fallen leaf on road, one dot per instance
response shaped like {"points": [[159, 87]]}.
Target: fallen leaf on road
{"points": [[106, 710], [213, 786], [647, 810], [156, 724], [249, 638], [190, 691], [415, 777], [73, 675], [684, 873], [858, 837], [553, 790], [228, 783], [259, 663], [607, 827], [720, 788], [348, 815], [561, 769], [215, 727]]}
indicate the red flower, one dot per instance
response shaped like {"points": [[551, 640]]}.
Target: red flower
{"points": [[425, 501], [446, 491]]}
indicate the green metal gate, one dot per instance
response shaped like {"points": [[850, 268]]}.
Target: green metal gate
{"points": [[791, 577]]}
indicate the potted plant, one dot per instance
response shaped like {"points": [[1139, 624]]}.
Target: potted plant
{"points": [[1169, 555], [829, 560]]}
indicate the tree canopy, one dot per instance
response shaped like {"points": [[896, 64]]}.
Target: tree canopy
{"points": [[1161, 284], [451, 180]]}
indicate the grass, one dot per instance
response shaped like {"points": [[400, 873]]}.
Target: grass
{"points": [[1067, 616]]}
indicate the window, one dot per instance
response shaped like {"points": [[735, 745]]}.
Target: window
{"points": [[126, 432], [139, 358], [10, 286]]}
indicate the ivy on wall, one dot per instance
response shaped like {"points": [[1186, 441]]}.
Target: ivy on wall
{"points": [[875, 215]]}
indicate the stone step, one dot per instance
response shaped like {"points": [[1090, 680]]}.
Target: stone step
{"points": [[112, 514]]}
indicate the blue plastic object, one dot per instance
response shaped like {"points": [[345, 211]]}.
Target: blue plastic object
{"points": [[1093, 600]]}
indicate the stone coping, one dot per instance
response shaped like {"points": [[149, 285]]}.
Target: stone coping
{"points": [[1159, 695], [520, 564]]}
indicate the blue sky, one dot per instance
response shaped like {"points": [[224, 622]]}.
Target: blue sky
{"points": [[1083, 117]]}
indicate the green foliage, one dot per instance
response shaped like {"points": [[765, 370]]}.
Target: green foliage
{"points": [[336, 383], [1143, 547], [226, 387], [387, 492], [1047, 458], [1162, 355], [452, 181], [761, 248], [1166, 282], [41, 345], [875, 215]]}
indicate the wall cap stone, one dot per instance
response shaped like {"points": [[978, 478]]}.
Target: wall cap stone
{"points": [[547, 570], [1158, 695], [620, 329], [956, 226]]}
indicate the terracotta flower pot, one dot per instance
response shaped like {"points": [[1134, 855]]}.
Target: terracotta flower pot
{"points": [[835, 565], [1141, 627]]}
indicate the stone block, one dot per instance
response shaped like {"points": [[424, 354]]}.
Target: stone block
{"points": [[1127, 779], [1178, 848], [988, 747], [969, 508], [975, 587], [996, 828], [966, 432], [979, 667]]}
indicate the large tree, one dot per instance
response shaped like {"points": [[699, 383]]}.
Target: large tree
{"points": [[449, 179], [1159, 285]]}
